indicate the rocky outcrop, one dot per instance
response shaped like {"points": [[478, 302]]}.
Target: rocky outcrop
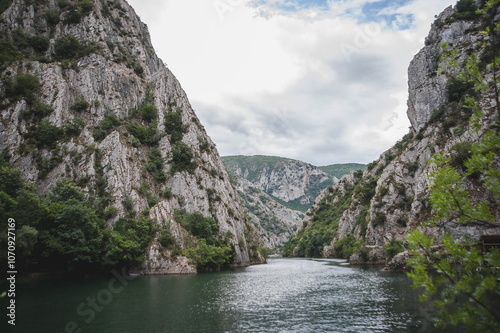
{"points": [[105, 111], [391, 197], [275, 223], [290, 181], [276, 192], [426, 87]]}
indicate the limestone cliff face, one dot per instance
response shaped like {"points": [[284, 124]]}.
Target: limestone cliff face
{"points": [[274, 222], [276, 192], [427, 88], [391, 196], [106, 112], [291, 181]]}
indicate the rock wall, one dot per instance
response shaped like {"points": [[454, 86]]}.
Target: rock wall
{"points": [[111, 74], [276, 192], [288, 180], [391, 196]]}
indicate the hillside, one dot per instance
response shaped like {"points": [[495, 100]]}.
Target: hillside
{"points": [[89, 110], [277, 191], [453, 102], [339, 170], [293, 183]]}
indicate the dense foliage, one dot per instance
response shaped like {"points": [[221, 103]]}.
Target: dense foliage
{"points": [[64, 230], [324, 223], [212, 252], [459, 276]]}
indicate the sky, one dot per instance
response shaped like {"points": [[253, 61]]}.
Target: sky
{"points": [[321, 81]]}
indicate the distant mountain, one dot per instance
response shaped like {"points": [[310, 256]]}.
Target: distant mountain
{"points": [[292, 183], [277, 191], [338, 170]]}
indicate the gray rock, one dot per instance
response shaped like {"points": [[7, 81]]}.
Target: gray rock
{"points": [[114, 80]]}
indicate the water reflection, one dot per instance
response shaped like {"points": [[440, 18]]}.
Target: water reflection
{"points": [[287, 295]]}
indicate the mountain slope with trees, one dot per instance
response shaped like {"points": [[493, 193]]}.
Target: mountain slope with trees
{"points": [[88, 108]]}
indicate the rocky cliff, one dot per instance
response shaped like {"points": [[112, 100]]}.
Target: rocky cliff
{"points": [[367, 210], [85, 97], [294, 183], [277, 191]]}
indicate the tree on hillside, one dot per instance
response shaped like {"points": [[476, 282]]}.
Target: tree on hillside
{"points": [[462, 281]]}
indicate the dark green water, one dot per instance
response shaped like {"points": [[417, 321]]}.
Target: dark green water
{"points": [[286, 295]]}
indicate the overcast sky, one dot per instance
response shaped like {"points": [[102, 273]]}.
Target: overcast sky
{"points": [[322, 81]]}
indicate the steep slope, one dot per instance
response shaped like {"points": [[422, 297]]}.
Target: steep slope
{"points": [[274, 222], [276, 191], [85, 97], [293, 183], [366, 210], [339, 170]]}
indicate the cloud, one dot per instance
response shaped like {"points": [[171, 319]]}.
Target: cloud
{"points": [[320, 81]]}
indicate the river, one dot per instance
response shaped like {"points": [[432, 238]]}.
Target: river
{"points": [[286, 295]]}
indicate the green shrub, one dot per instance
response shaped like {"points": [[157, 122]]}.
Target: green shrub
{"points": [[110, 212], [67, 47], [198, 225], [167, 193], [464, 6], [73, 127], [347, 246], [402, 221], [182, 158], [210, 257], [105, 127], [39, 43], [174, 126], [73, 15], [46, 134], [39, 109], [148, 112], [166, 239], [47, 164], [365, 190], [8, 53], [457, 88], [22, 86], [129, 240], [70, 48], [80, 105], [155, 165], [147, 135], [52, 17], [412, 167], [462, 152], [63, 3], [85, 7], [379, 218], [392, 248]]}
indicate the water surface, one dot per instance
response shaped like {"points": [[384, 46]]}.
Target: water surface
{"points": [[286, 295]]}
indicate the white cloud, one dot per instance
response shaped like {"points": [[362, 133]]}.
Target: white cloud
{"points": [[314, 85]]}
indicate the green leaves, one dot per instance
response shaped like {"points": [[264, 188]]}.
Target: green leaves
{"points": [[211, 251], [210, 257], [449, 197], [462, 281], [459, 278]]}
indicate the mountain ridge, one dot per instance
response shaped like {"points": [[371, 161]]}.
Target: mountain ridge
{"points": [[85, 98], [263, 182], [368, 211]]}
